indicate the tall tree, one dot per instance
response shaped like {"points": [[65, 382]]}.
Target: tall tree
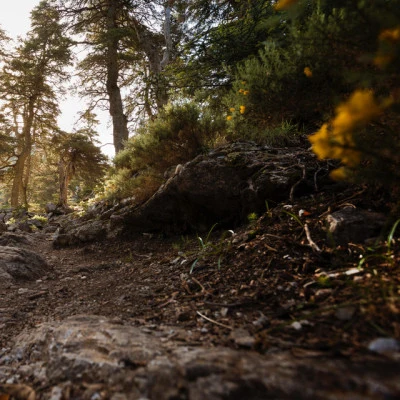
{"points": [[78, 156], [122, 38], [29, 82]]}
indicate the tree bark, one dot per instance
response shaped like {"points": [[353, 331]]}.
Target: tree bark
{"points": [[119, 120], [64, 176], [25, 151]]}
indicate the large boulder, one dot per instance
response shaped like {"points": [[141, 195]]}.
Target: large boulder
{"points": [[352, 225], [224, 187], [221, 187], [21, 265], [90, 357], [80, 232]]}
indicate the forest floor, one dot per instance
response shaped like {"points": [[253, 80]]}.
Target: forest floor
{"points": [[261, 287], [265, 279]]}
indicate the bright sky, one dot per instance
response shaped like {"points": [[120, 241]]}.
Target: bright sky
{"points": [[15, 20]]}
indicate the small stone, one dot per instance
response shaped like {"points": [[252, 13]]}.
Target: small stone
{"points": [[23, 290], [323, 293], [385, 346], [224, 311], [345, 313], [242, 338], [296, 325], [261, 322], [56, 393]]}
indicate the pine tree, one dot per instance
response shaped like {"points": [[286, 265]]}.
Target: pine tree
{"points": [[29, 83]]}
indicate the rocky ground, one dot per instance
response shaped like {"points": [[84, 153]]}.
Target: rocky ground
{"points": [[275, 309]]}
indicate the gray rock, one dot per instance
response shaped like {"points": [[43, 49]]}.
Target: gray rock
{"points": [[14, 239], [3, 227], [136, 365], [223, 187], [21, 265], [50, 208], [88, 231], [384, 346], [352, 225]]}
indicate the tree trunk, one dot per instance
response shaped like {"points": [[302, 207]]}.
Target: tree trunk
{"points": [[119, 120], [64, 176], [25, 148], [17, 186], [25, 181]]}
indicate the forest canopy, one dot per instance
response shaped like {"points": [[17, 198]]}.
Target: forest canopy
{"points": [[179, 77]]}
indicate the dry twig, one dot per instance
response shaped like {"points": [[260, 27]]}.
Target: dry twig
{"points": [[213, 321], [311, 242]]}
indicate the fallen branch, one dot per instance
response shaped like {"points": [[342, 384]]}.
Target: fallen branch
{"points": [[203, 289], [311, 242], [213, 321]]}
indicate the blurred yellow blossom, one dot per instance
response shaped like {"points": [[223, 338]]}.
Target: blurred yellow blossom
{"points": [[242, 109], [382, 60], [387, 50], [241, 90], [392, 35], [232, 109], [359, 109], [284, 4], [229, 117], [308, 72], [246, 92], [335, 140], [339, 174], [243, 82]]}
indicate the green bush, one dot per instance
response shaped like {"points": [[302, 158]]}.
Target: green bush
{"points": [[180, 132], [301, 75]]}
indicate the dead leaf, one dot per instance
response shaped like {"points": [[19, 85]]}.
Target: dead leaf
{"points": [[19, 392]]}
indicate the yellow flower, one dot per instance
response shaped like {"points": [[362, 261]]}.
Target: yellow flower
{"points": [[243, 82], [335, 140], [246, 92], [308, 72], [232, 109], [242, 109], [358, 110], [339, 174], [387, 50], [391, 35], [241, 90], [326, 144], [382, 60], [284, 4], [229, 117]]}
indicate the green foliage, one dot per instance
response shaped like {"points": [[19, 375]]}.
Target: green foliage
{"points": [[252, 217], [180, 132], [381, 252], [299, 76], [209, 249]]}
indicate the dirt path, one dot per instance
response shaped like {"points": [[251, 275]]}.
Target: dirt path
{"points": [[110, 279], [262, 291]]}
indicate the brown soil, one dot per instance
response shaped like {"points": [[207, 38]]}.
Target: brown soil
{"points": [[263, 288]]}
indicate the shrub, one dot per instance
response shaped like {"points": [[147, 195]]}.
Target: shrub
{"points": [[181, 132]]}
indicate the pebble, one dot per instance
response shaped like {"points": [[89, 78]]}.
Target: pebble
{"points": [[385, 346], [345, 313]]}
